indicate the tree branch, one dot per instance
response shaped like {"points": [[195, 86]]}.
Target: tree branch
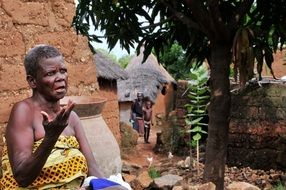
{"points": [[154, 25], [218, 26], [241, 10], [186, 20], [202, 15]]}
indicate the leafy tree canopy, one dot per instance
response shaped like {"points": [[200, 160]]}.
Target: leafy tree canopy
{"points": [[108, 54], [194, 24], [124, 60], [174, 60]]}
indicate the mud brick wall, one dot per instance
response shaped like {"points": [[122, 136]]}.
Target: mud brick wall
{"points": [[180, 147], [258, 127], [24, 24], [110, 112], [181, 101]]}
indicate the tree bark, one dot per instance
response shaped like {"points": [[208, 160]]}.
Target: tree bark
{"points": [[219, 111]]}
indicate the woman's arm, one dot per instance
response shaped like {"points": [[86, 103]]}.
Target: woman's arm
{"points": [[26, 165]]}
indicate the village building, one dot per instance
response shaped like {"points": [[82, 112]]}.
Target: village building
{"points": [[107, 74], [152, 80]]}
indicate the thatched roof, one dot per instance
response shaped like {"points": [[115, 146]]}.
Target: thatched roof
{"points": [[147, 78], [105, 68]]}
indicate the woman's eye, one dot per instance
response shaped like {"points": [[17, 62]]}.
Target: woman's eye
{"points": [[50, 73], [63, 71]]}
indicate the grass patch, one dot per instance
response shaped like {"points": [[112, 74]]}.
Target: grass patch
{"points": [[153, 172], [279, 186]]}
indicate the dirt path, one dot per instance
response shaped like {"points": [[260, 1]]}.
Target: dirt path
{"points": [[144, 151]]}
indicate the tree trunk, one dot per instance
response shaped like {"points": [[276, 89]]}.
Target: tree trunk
{"points": [[219, 111]]}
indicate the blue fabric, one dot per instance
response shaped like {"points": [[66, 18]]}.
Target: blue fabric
{"points": [[101, 183], [135, 125]]}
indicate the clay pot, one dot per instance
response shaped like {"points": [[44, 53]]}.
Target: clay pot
{"points": [[102, 142]]}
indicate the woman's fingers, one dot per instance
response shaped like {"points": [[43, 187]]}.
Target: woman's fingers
{"points": [[60, 114], [68, 108], [64, 113], [46, 118]]}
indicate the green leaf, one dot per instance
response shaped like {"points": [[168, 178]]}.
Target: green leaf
{"points": [[193, 122], [196, 129], [188, 122], [197, 137]]}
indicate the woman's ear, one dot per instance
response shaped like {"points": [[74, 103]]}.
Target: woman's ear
{"points": [[31, 81]]}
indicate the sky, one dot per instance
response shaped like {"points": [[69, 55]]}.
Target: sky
{"points": [[117, 50]]}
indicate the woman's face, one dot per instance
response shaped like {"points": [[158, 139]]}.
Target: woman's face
{"points": [[52, 78]]}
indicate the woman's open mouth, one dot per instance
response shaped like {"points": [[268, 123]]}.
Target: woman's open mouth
{"points": [[60, 89]]}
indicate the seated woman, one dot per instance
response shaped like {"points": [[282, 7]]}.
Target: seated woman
{"points": [[45, 143]]}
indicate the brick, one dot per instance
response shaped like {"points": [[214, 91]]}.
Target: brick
{"points": [[11, 45], [82, 53], [12, 77], [64, 41], [26, 13], [81, 74], [63, 12], [7, 101], [6, 22]]}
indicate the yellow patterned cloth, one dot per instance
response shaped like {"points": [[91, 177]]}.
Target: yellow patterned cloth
{"points": [[65, 168]]}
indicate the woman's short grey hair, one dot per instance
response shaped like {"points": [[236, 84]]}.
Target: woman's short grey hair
{"points": [[36, 54]]}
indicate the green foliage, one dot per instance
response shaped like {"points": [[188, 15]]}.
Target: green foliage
{"points": [[124, 60], [153, 172], [199, 99], [107, 54], [160, 24], [196, 108], [279, 186], [175, 61], [231, 71]]}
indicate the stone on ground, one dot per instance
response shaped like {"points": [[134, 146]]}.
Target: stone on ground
{"points": [[241, 186], [166, 181]]}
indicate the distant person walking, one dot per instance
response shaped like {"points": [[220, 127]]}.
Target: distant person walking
{"points": [[147, 116], [137, 114]]}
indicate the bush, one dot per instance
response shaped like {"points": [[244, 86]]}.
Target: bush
{"points": [[153, 172]]}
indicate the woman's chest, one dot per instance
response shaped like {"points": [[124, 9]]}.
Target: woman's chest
{"points": [[39, 130]]}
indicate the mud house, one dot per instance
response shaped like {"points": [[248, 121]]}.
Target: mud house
{"points": [[107, 74], [152, 80]]}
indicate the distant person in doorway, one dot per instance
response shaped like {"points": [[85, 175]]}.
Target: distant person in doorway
{"points": [[147, 116], [137, 113]]}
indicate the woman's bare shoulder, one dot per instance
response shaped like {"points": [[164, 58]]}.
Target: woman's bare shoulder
{"points": [[25, 105]]}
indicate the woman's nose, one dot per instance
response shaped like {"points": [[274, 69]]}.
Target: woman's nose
{"points": [[61, 76]]}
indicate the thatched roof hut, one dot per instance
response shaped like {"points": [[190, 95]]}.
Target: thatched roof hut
{"points": [[147, 78], [106, 69], [108, 73]]}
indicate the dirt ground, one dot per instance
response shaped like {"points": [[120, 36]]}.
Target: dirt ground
{"points": [[265, 180], [143, 151]]}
